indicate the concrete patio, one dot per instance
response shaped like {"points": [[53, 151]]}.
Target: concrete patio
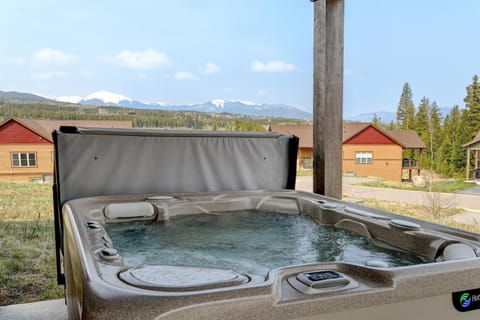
{"points": [[48, 310]]}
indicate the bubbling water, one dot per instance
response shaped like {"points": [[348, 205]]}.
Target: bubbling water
{"points": [[247, 241]]}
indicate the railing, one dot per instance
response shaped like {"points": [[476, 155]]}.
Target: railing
{"points": [[474, 174], [409, 163]]}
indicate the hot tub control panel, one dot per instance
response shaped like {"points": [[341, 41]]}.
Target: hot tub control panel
{"points": [[321, 275], [320, 281]]}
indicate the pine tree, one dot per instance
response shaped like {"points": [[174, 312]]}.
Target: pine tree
{"points": [[460, 137], [427, 124], [421, 119], [472, 107], [443, 154], [434, 129], [451, 154], [467, 133], [376, 121], [406, 109]]}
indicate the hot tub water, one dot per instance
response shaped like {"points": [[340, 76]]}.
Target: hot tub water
{"points": [[249, 241]]}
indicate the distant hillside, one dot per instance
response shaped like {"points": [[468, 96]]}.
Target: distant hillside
{"points": [[141, 118], [106, 98], [385, 116], [16, 96], [219, 106]]}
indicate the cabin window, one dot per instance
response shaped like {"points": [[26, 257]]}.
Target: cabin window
{"points": [[24, 159], [363, 157]]}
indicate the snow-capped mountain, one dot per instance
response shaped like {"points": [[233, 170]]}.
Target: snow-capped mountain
{"points": [[101, 97], [106, 98], [219, 103]]}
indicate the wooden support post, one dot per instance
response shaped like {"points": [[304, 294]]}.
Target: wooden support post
{"points": [[476, 159], [468, 164], [328, 97], [420, 160]]}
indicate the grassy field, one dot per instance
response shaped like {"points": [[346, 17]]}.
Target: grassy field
{"points": [[27, 244], [305, 172], [447, 186], [420, 212]]}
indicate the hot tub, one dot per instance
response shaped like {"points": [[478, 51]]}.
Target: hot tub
{"points": [[268, 253]]}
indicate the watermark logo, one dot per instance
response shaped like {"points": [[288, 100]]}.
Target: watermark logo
{"points": [[465, 300]]}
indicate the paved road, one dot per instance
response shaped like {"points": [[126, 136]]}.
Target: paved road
{"points": [[468, 202], [472, 190], [464, 201]]}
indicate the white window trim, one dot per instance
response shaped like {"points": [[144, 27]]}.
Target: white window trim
{"points": [[363, 157], [30, 159]]}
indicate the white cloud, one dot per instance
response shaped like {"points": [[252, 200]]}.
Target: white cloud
{"points": [[49, 57], [49, 75], [183, 75], [272, 66], [140, 60], [210, 68]]}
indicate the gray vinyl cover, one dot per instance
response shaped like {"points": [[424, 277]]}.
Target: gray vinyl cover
{"points": [[92, 161]]}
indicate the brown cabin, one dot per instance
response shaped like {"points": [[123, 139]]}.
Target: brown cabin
{"points": [[367, 150], [26, 146]]}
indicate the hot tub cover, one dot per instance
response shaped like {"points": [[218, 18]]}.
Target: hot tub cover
{"points": [[92, 161]]}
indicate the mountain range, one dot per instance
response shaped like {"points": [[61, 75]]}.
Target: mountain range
{"points": [[21, 96], [385, 116], [106, 98]]}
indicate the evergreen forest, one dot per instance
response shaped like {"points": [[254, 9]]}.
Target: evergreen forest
{"points": [[445, 135], [140, 118]]}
